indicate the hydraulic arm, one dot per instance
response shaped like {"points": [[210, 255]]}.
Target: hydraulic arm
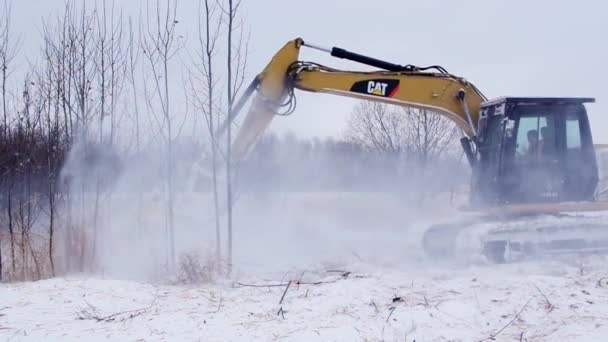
{"points": [[430, 88]]}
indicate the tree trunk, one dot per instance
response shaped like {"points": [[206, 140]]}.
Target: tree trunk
{"points": [[23, 239], [1, 268], [51, 226], [4, 111], [11, 228], [214, 143], [216, 203], [229, 138], [170, 167]]}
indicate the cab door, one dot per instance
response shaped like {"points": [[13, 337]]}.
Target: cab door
{"points": [[578, 156], [486, 176]]}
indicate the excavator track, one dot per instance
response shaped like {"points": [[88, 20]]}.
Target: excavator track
{"points": [[522, 234]]}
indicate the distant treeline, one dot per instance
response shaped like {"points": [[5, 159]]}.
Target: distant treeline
{"points": [[290, 164]]}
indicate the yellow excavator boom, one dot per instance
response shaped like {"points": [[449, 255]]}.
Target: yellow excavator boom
{"points": [[440, 92]]}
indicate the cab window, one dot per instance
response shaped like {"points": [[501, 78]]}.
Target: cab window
{"points": [[573, 132], [528, 135]]}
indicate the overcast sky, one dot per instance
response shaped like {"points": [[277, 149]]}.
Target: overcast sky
{"points": [[516, 47]]}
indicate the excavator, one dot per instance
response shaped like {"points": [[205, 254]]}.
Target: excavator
{"points": [[533, 189]]}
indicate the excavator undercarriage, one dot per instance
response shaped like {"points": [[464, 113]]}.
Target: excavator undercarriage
{"points": [[535, 180], [515, 237]]}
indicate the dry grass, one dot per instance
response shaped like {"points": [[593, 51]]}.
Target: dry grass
{"points": [[31, 258], [195, 268]]}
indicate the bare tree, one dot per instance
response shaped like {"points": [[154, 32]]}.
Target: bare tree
{"points": [[44, 79], [429, 135], [85, 59], [237, 50], [133, 58], [73, 43], [133, 55], [27, 125], [8, 51], [417, 132], [378, 126], [210, 102], [101, 66], [48, 90], [414, 138], [82, 67], [72, 51], [203, 82], [34, 157], [160, 45], [110, 62], [54, 82]]}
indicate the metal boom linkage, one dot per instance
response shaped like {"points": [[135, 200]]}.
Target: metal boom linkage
{"points": [[430, 87]]}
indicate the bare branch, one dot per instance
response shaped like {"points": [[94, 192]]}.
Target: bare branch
{"points": [[493, 336]]}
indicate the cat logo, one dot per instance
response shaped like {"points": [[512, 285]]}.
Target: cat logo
{"points": [[376, 87]]}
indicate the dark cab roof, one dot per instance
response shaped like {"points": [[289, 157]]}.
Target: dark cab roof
{"points": [[537, 100]]}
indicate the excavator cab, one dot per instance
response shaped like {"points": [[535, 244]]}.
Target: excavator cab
{"points": [[534, 150]]}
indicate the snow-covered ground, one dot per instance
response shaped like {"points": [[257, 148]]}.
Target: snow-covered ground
{"points": [[563, 300], [355, 273]]}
